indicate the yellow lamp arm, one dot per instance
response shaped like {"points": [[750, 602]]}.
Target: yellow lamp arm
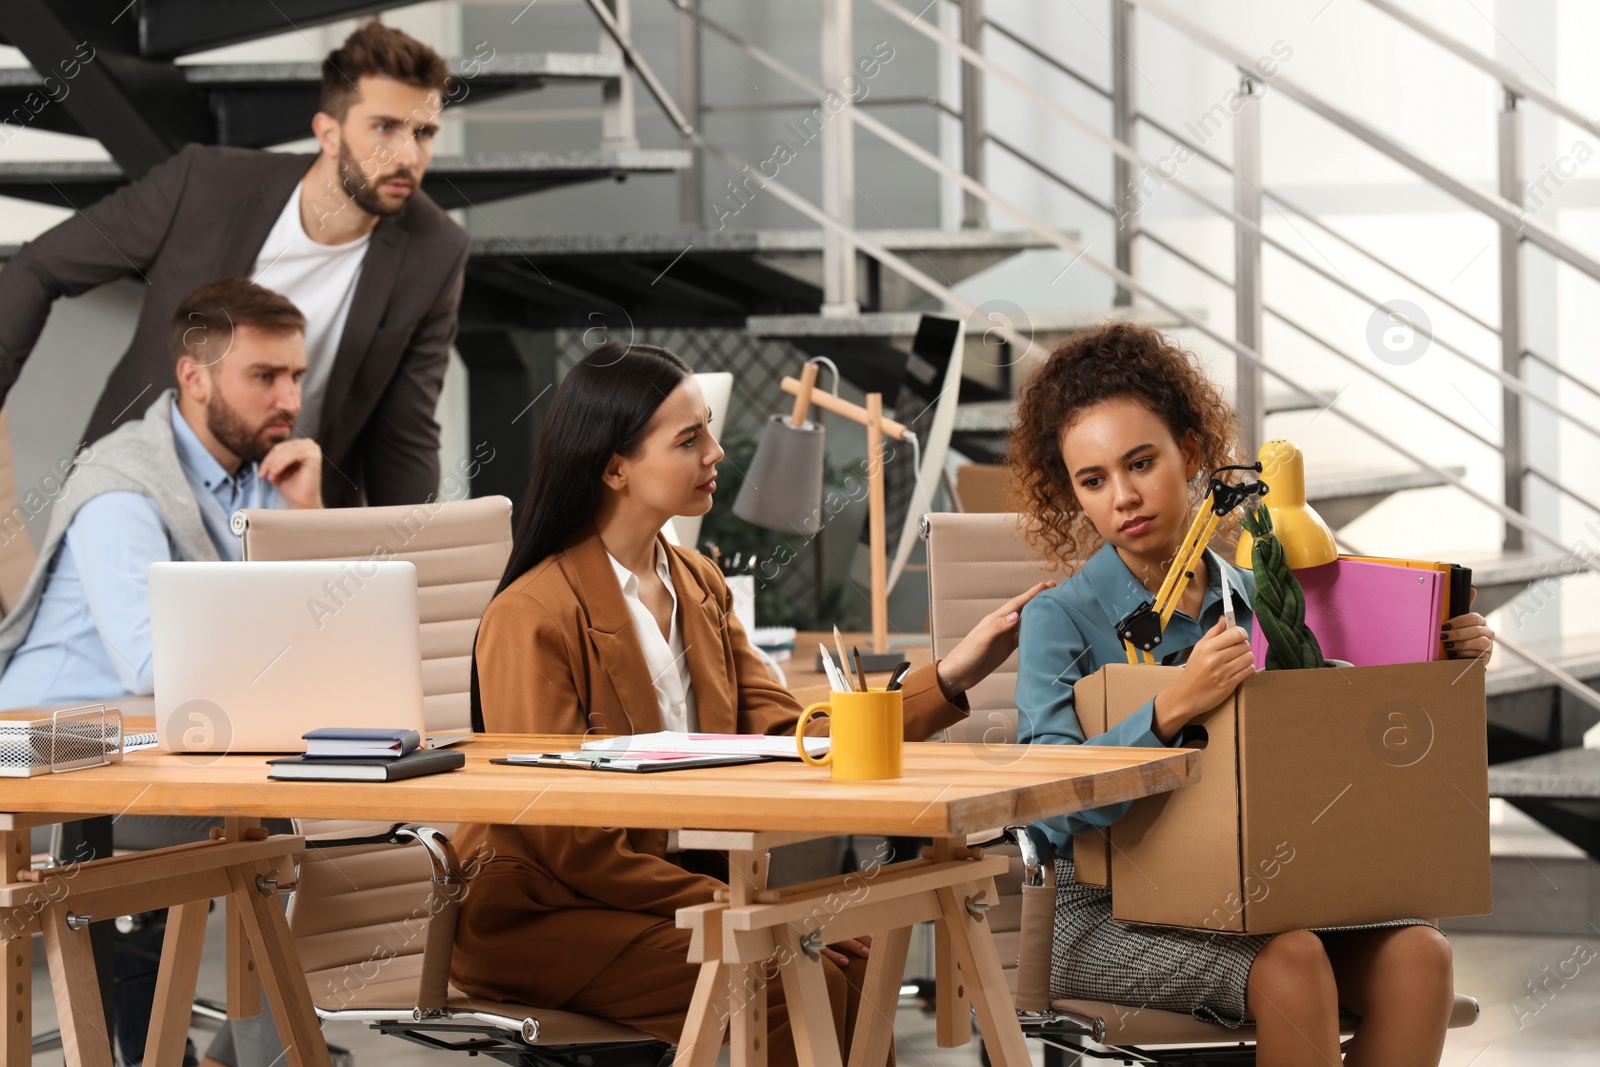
{"points": [[1183, 564], [1147, 622]]}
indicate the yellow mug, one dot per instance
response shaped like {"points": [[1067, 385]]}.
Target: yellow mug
{"points": [[868, 732]]}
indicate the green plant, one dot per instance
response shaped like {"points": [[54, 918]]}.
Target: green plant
{"points": [[1280, 602]]}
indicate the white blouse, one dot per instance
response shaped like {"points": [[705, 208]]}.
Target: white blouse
{"points": [[664, 656]]}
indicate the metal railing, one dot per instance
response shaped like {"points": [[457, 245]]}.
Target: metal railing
{"points": [[842, 241]]}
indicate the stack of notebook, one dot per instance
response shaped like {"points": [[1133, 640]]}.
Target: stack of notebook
{"points": [[357, 754], [1370, 611]]}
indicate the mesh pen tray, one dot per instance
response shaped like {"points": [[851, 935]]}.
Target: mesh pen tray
{"points": [[37, 742]]}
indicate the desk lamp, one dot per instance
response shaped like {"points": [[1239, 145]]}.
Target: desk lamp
{"points": [[1142, 628], [783, 490], [1307, 540]]}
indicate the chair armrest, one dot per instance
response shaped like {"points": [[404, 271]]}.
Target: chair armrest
{"points": [[1038, 922], [444, 890], [1034, 859], [441, 853], [390, 836]]}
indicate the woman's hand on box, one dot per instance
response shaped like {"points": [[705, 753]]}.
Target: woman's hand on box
{"points": [[1217, 665]]}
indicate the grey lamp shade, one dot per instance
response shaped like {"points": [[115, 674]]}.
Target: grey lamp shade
{"points": [[783, 488]]}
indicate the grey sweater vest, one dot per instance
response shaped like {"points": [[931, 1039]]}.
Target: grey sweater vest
{"points": [[137, 457]]}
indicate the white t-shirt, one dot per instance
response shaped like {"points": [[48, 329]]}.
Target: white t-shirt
{"points": [[321, 281], [663, 656]]}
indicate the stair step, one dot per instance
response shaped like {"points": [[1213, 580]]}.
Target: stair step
{"points": [[1509, 674], [1501, 576], [994, 416], [261, 104], [169, 28], [902, 325], [1287, 399], [452, 181], [774, 242], [1342, 496], [710, 278], [1538, 895], [871, 348], [714, 278], [1570, 774], [461, 181], [985, 416], [522, 70]]}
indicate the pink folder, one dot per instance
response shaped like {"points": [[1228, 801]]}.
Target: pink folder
{"points": [[1369, 613]]}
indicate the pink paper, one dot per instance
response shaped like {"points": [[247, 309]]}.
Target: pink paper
{"points": [[1369, 613]]}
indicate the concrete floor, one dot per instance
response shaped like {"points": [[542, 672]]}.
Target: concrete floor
{"points": [[1532, 1016], [1514, 1030]]}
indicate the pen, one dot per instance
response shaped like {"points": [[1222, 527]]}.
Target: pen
{"points": [[898, 676], [861, 675], [838, 643], [835, 682], [1227, 597]]}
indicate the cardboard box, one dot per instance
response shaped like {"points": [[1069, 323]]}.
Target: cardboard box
{"points": [[1327, 797]]}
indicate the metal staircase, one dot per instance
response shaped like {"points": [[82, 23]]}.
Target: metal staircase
{"points": [[1544, 698], [139, 103], [854, 293]]}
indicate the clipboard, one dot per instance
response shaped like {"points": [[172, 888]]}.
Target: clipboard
{"points": [[595, 762]]}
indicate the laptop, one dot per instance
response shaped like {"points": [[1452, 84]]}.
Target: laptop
{"points": [[249, 656]]}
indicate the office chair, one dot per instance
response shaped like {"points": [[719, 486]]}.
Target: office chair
{"points": [[459, 548], [17, 557], [373, 913], [976, 561]]}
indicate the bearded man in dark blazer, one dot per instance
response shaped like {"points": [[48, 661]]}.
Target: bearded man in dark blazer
{"points": [[347, 234]]}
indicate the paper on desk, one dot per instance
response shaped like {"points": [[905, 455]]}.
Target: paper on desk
{"points": [[779, 746]]}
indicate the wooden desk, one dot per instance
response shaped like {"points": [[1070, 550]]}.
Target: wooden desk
{"points": [[948, 792]]}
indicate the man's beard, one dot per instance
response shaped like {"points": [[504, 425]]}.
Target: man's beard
{"points": [[364, 192], [226, 426]]}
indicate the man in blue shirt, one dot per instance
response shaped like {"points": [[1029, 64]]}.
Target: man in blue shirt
{"points": [[163, 488]]}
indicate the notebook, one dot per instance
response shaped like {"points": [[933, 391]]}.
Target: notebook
{"points": [[421, 762], [356, 742], [1370, 613], [1459, 600]]}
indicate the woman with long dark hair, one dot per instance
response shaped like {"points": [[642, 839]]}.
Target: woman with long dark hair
{"points": [[600, 626]]}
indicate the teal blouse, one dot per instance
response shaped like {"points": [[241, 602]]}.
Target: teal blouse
{"points": [[1070, 631]]}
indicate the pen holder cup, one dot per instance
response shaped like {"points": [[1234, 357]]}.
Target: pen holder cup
{"points": [[868, 734]]}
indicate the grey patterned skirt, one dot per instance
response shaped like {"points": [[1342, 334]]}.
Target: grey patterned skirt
{"points": [[1199, 972]]}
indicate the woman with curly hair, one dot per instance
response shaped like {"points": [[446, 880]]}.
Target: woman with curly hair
{"points": [[1118, 431], [600, 626]]}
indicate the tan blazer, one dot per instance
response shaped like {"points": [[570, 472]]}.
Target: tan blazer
{"points": [[548, 908]]}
